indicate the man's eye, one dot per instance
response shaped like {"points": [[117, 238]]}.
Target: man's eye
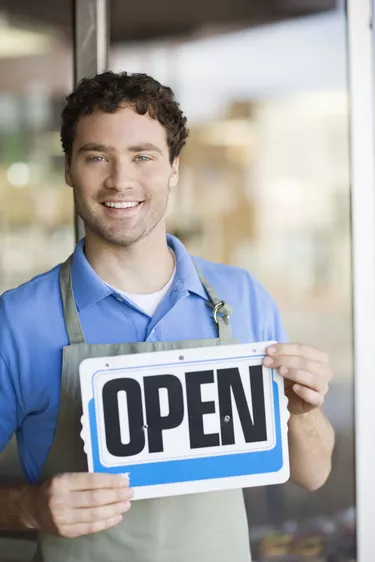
{"points": [[95, 159], [142, 158]]}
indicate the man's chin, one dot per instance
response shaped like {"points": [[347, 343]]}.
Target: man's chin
{"points": [[120, 239]]}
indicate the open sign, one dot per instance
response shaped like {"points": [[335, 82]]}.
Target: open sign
{"points": [[186, 421]]}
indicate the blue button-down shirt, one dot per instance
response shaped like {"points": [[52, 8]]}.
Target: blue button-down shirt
{"points": [[32, 335]]}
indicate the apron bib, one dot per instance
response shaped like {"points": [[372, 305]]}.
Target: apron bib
{"points": [[204, 527]]}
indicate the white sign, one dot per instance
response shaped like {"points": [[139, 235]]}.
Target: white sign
{"points": [[186, 421]]}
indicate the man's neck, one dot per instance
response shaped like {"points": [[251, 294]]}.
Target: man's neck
{"points": [[143, 268]]}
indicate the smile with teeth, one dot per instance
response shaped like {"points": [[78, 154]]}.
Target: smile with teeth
{"points": [[122, 205]]}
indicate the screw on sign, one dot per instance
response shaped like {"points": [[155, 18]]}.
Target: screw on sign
{"points": [[147, 424]]}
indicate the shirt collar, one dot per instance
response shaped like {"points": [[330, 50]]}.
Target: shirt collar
{"points": [[89, 288], [186, 273]]}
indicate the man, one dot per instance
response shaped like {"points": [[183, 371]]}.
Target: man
{"points": [[131, 288]]}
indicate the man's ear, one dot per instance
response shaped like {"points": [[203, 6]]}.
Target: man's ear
{"points": [[174, 177], [68, 174]]}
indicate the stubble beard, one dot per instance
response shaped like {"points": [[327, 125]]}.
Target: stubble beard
{"points": [[116, 234]]}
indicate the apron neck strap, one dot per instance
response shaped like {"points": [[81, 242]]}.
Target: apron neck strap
{"points": [[72, 322], [221, 310]]}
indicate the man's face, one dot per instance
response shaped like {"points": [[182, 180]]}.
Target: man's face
{"points": [[121, 174]]}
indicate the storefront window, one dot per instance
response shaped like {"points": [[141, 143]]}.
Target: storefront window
{"points": [[36, 207]]}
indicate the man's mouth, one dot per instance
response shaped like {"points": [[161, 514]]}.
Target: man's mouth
{"points": [[121, 204]]}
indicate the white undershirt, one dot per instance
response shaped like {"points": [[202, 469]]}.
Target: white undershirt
{"points": [[149, 302]]}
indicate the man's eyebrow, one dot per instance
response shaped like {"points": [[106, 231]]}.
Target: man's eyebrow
{"points": [[94, 147], [145, 146]]}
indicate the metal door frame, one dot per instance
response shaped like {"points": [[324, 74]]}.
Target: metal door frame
{"points": [[362, 154], [91, 49]]}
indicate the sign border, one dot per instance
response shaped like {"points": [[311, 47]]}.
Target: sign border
{"points": [[245, 467]]}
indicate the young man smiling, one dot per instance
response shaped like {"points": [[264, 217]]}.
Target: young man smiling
{"points": [[129, 287]]}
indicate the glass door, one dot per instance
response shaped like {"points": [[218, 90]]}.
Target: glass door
{"points": [[265, 185]]}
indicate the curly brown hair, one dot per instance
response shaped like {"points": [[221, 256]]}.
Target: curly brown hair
{"points": [[109, 90]]}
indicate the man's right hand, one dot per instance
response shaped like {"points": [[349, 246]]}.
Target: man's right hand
{"points": [[71, 505]]}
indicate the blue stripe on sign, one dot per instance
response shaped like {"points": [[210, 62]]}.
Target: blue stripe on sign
{"points": [[204, 468]]}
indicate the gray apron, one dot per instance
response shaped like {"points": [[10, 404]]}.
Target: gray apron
{"points": [[204, 527]]}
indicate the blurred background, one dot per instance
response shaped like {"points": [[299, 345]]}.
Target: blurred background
{"points": [[264, 186]]}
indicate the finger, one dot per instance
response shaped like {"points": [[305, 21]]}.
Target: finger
{"points": [[308, 395], [305, 378], [316, 368], [298, 349], [93, 481], [71, 531], [99, 513], [98, 497]]}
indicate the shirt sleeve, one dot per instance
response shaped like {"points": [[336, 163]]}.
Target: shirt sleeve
{"points": [[8, 405]]}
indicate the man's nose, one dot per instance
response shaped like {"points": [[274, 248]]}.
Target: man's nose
{"points": [[121, 176]]}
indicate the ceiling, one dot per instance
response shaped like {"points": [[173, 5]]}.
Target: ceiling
{"points": [[134, 21]]}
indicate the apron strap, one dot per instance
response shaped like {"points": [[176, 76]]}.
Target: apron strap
{"points": [[221, 310], [72, 321]]}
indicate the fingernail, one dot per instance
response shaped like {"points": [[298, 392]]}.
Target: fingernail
{"points": [[271, 350], [296, 387], [284, 370], [268, 361]]}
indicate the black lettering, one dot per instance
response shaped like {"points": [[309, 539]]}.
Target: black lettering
{"points": [[197, 409], [155, 421], [112, 417], [229, 382]]}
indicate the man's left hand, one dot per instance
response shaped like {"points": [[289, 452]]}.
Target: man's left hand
{"points": [[306, 372]]}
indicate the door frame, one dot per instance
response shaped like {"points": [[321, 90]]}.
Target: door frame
{"points": [[362, 154]]}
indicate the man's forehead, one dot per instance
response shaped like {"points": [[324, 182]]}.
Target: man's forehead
{"points": [[125, 125]]}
